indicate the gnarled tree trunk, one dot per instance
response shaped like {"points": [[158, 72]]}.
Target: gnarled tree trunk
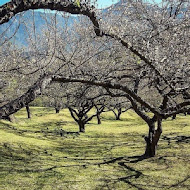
{"points": [[153, 138]]}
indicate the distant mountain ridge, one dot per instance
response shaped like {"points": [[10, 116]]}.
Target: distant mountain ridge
{"points": [[7, 30], [19, 37]]}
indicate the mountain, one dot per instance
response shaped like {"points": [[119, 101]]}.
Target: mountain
{"points": [[28, 17], [40, 19], [40, 22]]}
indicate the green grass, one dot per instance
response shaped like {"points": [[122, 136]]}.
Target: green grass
{"points": [[34, 156]]}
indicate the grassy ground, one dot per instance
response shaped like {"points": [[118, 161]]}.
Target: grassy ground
{"points": [[34, 156]]}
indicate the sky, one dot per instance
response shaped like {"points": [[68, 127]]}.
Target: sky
{"points": [[101, 3], [3, 1], [106, 3]]}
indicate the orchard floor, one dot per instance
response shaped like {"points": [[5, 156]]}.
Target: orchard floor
{"points": [[34, 156]]}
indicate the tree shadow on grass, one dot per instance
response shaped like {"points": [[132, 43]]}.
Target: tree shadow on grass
{"points": [[177, 139], [181, 183], [130, 159], [131, 174], [48, 129], [135, 159]]}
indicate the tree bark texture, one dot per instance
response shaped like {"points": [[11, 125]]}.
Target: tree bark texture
{"points": [[152, 139]]}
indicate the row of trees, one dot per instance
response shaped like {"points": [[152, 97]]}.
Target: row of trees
{"points": [[134, 51], [84, 103]]}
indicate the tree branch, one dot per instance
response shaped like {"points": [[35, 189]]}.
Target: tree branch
{"points": [[26, 98], [72, 114], [10, 9]]}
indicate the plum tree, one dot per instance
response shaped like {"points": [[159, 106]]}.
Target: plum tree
{"points": [[148, 46]]}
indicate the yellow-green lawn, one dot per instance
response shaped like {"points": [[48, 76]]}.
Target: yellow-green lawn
{"points": [[33, 155]]}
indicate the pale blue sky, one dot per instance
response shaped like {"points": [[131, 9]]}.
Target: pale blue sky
{"points": [[101, 3], [3, 1], [106, 3]]}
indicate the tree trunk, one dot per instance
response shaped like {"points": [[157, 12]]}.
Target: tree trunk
{"points": [[10, 118], [57, 110], [118, 116], [28, 111], [152, 139], [98, 118], [81, 126], [33, 92], [174, 116]]}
